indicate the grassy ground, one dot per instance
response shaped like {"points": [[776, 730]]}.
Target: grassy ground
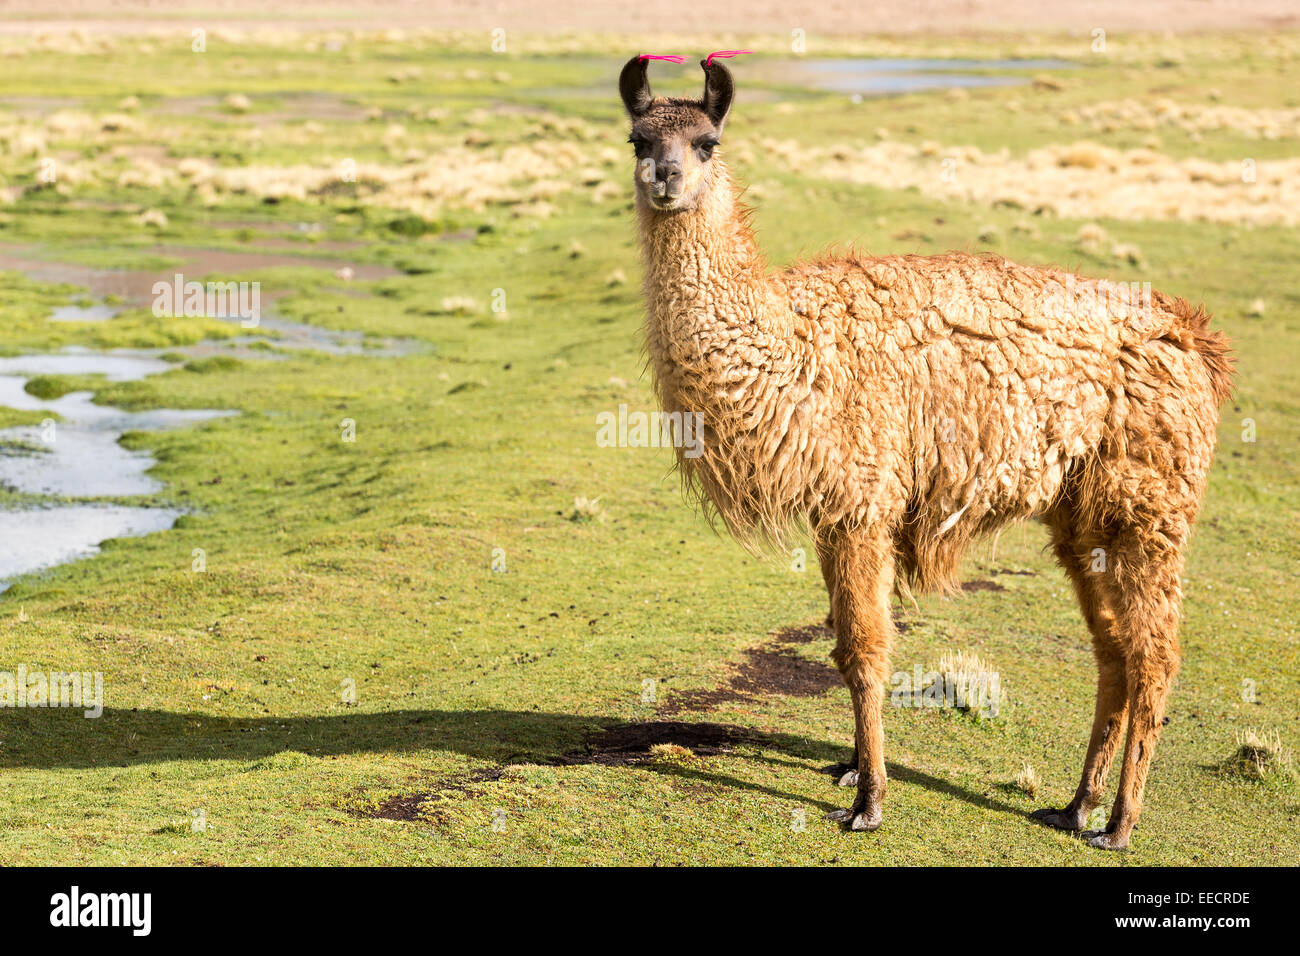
{"points": [[351, 681]]}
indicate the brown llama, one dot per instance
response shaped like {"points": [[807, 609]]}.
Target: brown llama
{"points": [[900, 406]]}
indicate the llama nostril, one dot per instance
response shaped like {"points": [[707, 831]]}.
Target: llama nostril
{"points": [[670, 179]]}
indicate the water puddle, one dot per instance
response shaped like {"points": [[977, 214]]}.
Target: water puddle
{"points": [[884, 76], [77, 451], [79, 456], [36, 105], [98, 312], [324, 245], [40, 538], [861, 76], [116, 366], [287, 108], [134, 288], [303, 236]]}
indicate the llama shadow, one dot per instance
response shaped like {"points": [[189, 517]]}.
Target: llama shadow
{"points": [[50, 739]]}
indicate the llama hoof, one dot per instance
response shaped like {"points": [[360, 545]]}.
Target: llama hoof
{"points": [[866, 812], [864, 824], [1103, 840], [850, 779], [857, 820], [1066, 819]]}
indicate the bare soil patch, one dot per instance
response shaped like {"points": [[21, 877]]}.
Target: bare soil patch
{"points": [[766, 671], [409, 807]]}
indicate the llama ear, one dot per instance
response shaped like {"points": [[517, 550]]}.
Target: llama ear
{"points": [[719, 90], [634, 86]]}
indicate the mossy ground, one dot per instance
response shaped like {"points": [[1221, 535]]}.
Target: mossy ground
{"points": [[369, 564]]}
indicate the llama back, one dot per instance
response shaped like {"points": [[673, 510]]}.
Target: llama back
{"points": [[990, 387]]}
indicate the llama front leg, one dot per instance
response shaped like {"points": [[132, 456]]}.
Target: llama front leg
{"points": [[864, 630], [826, 555]]}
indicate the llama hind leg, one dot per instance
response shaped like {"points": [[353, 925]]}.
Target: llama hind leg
{"points": [[1097, 601], [1148, 624], [1107, 723], [864, 567]]}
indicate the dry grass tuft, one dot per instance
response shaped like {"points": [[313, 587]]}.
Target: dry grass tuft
{"points": [[671, 752], [972, 682], [1091, 236], [459, 305], [152, 218], [587, 509], [1028, 780], [1126, 252], [1261, 757], [1074, 180]]}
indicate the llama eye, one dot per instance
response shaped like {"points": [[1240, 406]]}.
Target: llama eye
{"points": [[706, 148]]}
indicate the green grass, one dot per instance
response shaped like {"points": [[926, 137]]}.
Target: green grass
{"points": [[367, 566]]}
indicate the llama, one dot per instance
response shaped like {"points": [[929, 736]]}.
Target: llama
{"points": [[900, 406]]}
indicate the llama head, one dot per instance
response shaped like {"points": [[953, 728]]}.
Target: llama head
{"points": [[674, 138]]}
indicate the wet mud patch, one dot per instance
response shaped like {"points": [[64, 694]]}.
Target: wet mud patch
{"points": [[410, 807], [402, 809], [802, 635], [616, 745], [460, 235], [809, 633], [981, 585], [628, 744]]}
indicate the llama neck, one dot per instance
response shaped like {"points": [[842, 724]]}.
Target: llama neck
{"points": [[725, 347], [703, 267], [706, 283]]}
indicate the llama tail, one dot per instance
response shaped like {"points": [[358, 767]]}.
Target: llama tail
{"points": [[1210, 344]]}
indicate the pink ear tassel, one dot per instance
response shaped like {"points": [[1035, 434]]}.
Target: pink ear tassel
{"points": [[725, 54], [672, 58]]}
